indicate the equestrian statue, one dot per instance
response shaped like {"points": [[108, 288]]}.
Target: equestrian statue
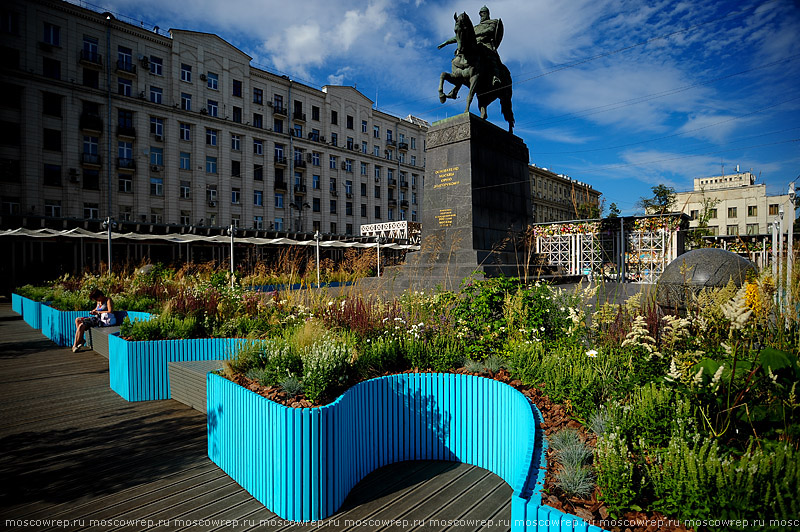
{"points": [[477, 65]]}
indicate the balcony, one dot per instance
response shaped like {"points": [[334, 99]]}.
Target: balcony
{"points": [[126, 131], [91, 122], [299, 163], [403, 146], [126, 67], [125, 163], [403, 184], [299, 116], [91, 159], [279, 111], [391, 142], [90, 58], [404, 203], [280, 161], [392, 203], [392, 182], [299, 189], [280, 185]]}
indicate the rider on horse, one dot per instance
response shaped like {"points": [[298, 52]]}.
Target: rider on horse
{"points": [[489, 33]]}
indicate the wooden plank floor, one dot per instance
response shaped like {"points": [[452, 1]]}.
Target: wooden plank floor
{"points": [[73, 450]]}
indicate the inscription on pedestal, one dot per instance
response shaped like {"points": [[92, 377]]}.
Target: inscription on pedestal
{"points": [[446, 217], [446, 177]]}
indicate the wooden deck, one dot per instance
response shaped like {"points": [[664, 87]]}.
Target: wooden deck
{"points": [[73, 450]]}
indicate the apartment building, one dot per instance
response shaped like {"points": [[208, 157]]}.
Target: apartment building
{"points": [[557, 197], [737, 204], [103, 118]]}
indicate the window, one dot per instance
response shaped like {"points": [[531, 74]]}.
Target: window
{"points": [[125, 183], [377, 212], [277, 102], [9, 22], [390, 214], [363, 168], [91, 78], [186, 73], [236, 168], [156, 215], [258, 96], [91, 211], [363, 126], [315, 158], [235, 194], [277, 125], [279, 153], [279, 224], [333, 162], [211, 165], [186, 131], [349, 143], [186, 161], [125, 153], [186, 218], [258, 197], [333, 184], [413, 160], [348, 165], [51, 104], [124, 87], [156, 94], [348, 208], [732, 213], [212, 81], [186, 190], [364, 210], [258, 172], [186, 101], [413, 143], [752, 229], [349, 122], [315, 207], [237, 115], [752, 210], [211, 137], [364, 190], [157, 126], [334, 118], [733, 230], [156, 186], [334, 139], [52, 140], [333, 206], [212, 107], [125, 59], [51, 68], [712, 214], [258, 147], [52, 208], [52, 175], [376, 150], [315, 182], [258, 222], [126, 213], [298, 131], [377, 191], [237, 88], [91, 179], [52, 34], [90, 145], [389, 154], [377, 172], [156, 156], [211, 192], [156, 66], [376, 132], [774, 209], [388, 135], [314, 112], [279, 200], [236, 142]]}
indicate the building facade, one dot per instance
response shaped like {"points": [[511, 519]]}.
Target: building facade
{"points": [[557, 197], [736, 204], [103, 118]]}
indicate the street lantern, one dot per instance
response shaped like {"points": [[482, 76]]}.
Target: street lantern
{"points": [[232, 233], [109, 224], [317, 236]]}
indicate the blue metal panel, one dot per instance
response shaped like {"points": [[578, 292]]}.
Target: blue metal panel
{"points": [[16, 303], [32, 313]]}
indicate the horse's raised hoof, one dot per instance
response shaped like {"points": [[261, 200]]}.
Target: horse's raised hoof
{"points": [[442, 97]]}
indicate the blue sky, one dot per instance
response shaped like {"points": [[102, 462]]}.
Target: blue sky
{"points": [[623, 95]]}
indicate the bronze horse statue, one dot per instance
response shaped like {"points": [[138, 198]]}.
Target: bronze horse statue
{"points": [[474, 66]]}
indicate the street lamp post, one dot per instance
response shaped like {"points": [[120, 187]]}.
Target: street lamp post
{"points": [[380, 240], [317, 236], [232, 233], [790, 247], [109, 224]]}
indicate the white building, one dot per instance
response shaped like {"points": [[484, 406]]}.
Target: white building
{"points": [[738, 205], [102, 118]]}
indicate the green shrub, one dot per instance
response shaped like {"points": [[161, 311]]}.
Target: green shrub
{"points": [[325, 367], [437, 353], [615, 473], [575, 481], [651, 415], [377, 356], [292, 386]]}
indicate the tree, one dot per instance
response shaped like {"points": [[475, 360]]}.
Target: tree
{"points": [[613, 211], [696, 235], [662, 201]]}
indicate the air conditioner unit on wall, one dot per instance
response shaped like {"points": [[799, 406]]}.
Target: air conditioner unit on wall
{"points": [[212, 203], [155, 168], [203, 77]]}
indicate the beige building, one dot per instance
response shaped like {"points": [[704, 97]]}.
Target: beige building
{"points": [[101, 117], [557, 197], [738, 206]]}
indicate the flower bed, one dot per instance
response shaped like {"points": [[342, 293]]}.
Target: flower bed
{"points": [[59, 325], [301, 463]]}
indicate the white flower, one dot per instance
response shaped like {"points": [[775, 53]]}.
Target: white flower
{"points": [[591, 353], [674, 374], [698, 378]]}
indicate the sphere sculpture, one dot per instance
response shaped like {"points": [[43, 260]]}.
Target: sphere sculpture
{"points": [[698, 269]]}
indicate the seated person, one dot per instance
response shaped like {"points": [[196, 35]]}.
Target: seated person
{"points": [[101, 316]]}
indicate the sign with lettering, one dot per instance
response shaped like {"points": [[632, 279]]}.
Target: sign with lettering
{"points": [[446, 217], [446, 177]]}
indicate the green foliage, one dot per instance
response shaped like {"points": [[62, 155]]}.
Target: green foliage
{"points": [[292, 386], [615, 470], [325, 367], [438, 353], [651, 415], [35, 293], [575, 481], [377, 356], [163, 327], [661, 202]]}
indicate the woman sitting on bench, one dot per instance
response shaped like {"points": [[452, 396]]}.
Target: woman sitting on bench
{"points": [[101, 316]]}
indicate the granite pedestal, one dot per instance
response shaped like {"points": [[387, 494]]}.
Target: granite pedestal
{"points": [[476, 204]]}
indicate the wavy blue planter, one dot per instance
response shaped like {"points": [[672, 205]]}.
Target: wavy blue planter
{"points": [[138, 371], [16, 303], [59, 325], [302, 463], [32, 312]]}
